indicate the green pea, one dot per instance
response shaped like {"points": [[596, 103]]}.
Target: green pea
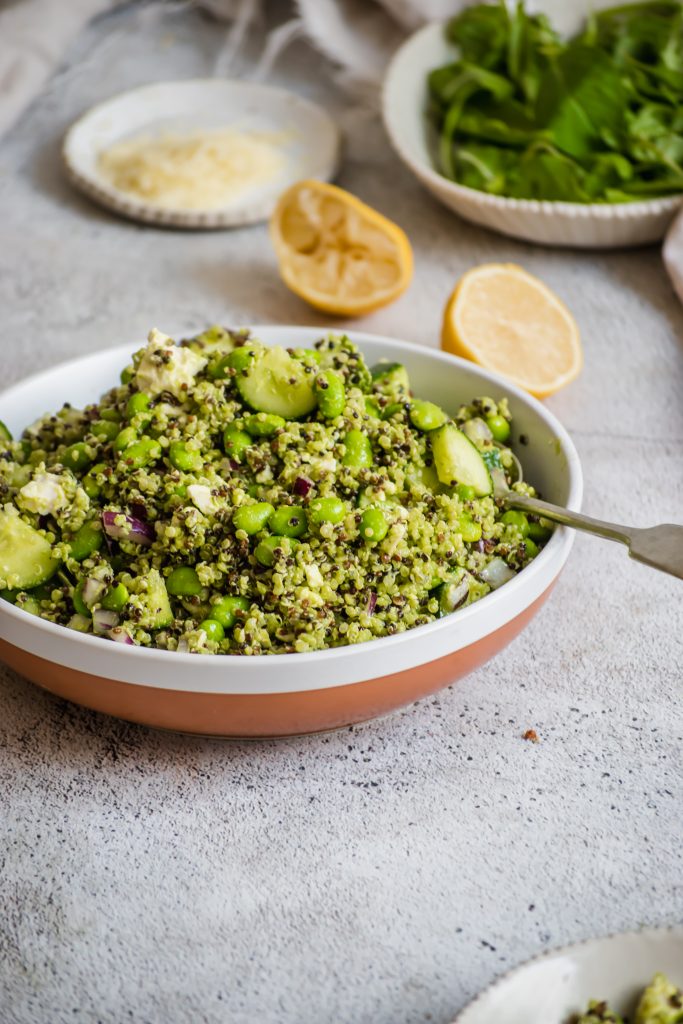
{"points": [[142, 453], [89, 482], [124, 438], [499, 427], [240, 358], [226, 610], [373, 525], [236, 442], [514, 518], [137, 403], [77, 457], [127, 374], [213, 629], [252, 518], [426, 416], [288, 521], [219, 369], [78, 602], [470, 530], [465, 492], [183, 582], [116, 598], [86, 541], [326, 510], [358, 454], [539, 533], [189, 460], [331, 393], [265, 550], [104, 430], [531, 548], [263, 424]]}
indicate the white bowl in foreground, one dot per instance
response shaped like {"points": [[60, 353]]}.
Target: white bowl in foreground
{"points": [[553, 987], [587, 226], [295, 693], [308, 138]]}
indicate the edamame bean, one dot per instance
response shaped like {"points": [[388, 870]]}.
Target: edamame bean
{"points": [[240, 358], [213, 629], [465, 492], [89, 482], [124, 438], [236, 442], [86, 541], [426, 415], [538, 532], [141, 453], [252, 518], [263, 424], [265, 551], [183, 582], [288, 521], [188, 460], [77, 457], [116, 598], [219, 370], [499, 427], [326, 510], [373, 526], [331, 393], [226, 610], [514, 518], [531, 548], [137, 403], [470, 530], [104, 430], [372, 409], [110, 414], [127, 374], [358, 453]]}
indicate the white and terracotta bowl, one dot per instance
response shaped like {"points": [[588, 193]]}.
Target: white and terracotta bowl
{"points": [[287, 694], [587, 226]]}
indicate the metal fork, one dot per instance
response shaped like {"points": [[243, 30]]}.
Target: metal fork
{"points": [[658, 546]]}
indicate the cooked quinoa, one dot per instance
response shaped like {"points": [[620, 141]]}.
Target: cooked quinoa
{"points": [[230, 498]]}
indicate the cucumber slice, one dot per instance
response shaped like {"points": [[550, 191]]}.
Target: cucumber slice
{"points": [[457, 461], [25, 555], [151, 597], [391, 375], [273, 382]]}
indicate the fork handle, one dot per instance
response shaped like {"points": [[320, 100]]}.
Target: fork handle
{"points": [[611, 531]]}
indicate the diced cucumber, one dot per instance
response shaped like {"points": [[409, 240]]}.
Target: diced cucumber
{"points": [[151, 598], [457, 461], [5, 434], [393, 376], [273, 382], [25, 555]]}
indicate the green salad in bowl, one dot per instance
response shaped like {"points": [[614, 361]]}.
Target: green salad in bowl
{"points": [[229, 497], [660, 1003]]}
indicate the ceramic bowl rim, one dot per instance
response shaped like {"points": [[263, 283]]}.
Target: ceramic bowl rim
{"points": [[427, 173], [632, 933], [557, 548]]}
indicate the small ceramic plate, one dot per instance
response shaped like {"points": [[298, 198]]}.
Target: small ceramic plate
{"points": [[552, 987], [310, 142]]}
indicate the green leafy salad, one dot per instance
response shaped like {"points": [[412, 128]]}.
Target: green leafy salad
{"points": [[596, 118]]}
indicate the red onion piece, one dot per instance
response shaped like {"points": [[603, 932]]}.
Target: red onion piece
{"points": [[302, 486], [136, 530], [372, 602], [103, 620], [92, 591], [119, 634]]}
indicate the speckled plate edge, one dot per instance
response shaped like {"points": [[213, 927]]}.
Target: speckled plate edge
{"points": [[470, 1013], [323, 164]]}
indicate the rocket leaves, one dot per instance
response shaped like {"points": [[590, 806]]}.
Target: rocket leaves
{"points": [[597, 118]]}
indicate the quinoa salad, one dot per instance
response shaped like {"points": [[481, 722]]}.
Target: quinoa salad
{"points": [[228, 498]]}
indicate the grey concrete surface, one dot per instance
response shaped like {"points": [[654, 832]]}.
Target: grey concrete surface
{"points": [[386, 873]]}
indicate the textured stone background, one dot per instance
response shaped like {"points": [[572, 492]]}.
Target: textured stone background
{"points": [[383, 874]]}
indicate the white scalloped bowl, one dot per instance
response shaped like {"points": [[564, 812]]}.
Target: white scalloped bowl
{"points": [[586, 226], [553, 987], [289, 694]]}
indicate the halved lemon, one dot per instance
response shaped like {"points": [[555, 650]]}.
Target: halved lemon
{"points": [[506, 320], [337, 253]]}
